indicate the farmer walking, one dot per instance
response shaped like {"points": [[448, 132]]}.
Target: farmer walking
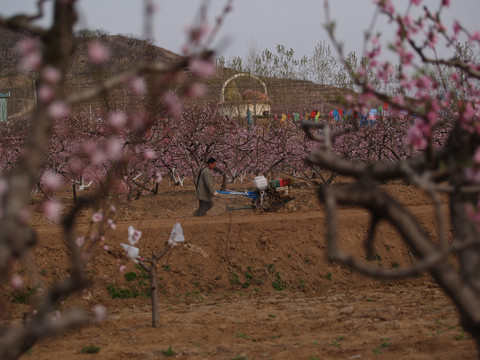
{"points": [[205, 189]]}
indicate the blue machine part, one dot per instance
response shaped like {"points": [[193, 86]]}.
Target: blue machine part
{"points": [[248, 193]]}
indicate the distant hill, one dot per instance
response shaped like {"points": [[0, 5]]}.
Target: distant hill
{"points": [[125, 51], [284, 95]]}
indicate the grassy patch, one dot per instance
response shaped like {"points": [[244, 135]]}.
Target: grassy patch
{"points": [[245, 280], [90, 349], [278, 283], [168, 352], [26, 296]]}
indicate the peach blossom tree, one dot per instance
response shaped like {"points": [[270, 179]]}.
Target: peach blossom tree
{"points": [[47, 51], [444, 161]]}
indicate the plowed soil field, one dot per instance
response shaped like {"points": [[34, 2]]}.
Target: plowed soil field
{"points": [[248, 285]]}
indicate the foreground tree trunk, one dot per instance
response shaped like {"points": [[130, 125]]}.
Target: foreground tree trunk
{"points": [[151, 266], [154, 294]]}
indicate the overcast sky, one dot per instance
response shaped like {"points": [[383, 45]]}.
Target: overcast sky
{"points": [[296, 24]]}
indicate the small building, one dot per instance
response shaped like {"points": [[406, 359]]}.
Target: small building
{"points": [[3, 107], [239, 99]]}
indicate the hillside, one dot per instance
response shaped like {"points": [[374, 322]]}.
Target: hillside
{"points": [[284, 95]]}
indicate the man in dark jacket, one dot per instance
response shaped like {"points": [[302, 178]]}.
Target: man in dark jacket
{"points": [[205, 189]]}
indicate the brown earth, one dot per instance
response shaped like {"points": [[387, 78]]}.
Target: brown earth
{"points": [[250, 285]]}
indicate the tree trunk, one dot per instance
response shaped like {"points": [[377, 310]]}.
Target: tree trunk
{"points": [[223, 187], [154, 294], [74, 189]]}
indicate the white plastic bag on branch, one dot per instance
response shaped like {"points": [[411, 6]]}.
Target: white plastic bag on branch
{"points": [[176, 236], [133, 238], [133, 235], [132, 252]]}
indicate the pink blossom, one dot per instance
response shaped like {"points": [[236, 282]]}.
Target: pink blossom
{"points": [[457, 27], [406, 57], [440, 27], [45, 93], [31, 62], [27, 46], [385, 72], [106, 248], [202, 68], [386, 6], [476, 157], [138, 121], [148, 154], [117, 120], [197, 33], [113, 148], [51, 75], [407, 21], [137, 85], [424, 82], [468, 113], [98, 156], [97, 217], [76, 165], [172, 103], [446, 3], [31, 57], [474, 67], [16, 281], [361, 72], [122, 268], [455, 77], [475, 36], [51, 209], [416, 2], [416, 136], [473, 174], [59, 110], [195, 91], [52, 180], [98, 53], [80, 241], [432, 39], [99, 312], [186, 49], [111, 224], [432, 117]]}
